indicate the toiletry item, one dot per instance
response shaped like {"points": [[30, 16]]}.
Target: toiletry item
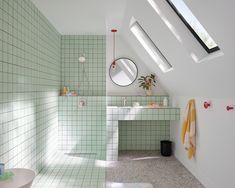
{"points": [[152, 105], [65, 91], [2, 168], [74, 93], [165, 102], [135, 104], [6, 176], [124, 101]]}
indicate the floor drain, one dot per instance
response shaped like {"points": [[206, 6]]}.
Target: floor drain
{"points": [[129, 185]]}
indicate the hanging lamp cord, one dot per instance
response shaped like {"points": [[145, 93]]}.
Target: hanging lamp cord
{"points": [[114, 48]]}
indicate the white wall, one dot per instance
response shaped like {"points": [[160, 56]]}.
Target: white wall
{"points": [[124, 50], [214, 162]]}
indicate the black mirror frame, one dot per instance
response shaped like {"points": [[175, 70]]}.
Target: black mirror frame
{"points": [[137, 72]]}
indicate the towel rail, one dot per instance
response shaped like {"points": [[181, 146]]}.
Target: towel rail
{"points": [[207, 104]]}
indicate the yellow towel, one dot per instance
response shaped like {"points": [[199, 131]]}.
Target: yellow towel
{"points": [[188, 133]]}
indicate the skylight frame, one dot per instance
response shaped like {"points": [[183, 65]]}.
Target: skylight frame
{"points": [[150, 47], [208, 50]]}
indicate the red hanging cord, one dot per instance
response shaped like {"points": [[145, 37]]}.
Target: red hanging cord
{"points": [[114, 63]]}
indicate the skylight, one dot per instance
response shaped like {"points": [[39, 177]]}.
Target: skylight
{"points": [[150, 47], [193, 25]]}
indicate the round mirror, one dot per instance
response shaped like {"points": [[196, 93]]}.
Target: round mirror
{"points": [[124, 73]]}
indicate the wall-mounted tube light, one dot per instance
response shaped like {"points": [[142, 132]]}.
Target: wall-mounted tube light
{"points": [[150, 47]]}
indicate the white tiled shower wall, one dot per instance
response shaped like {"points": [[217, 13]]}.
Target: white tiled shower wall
{"points": [[29, 85]]}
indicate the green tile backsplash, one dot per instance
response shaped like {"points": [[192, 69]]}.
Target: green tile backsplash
{"points": [[29, 85], [143, 100], [142, 135], [87, 78], [83, 129]]}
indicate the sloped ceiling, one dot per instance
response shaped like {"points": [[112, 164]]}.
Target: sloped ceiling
{"points": [[212, 78]]}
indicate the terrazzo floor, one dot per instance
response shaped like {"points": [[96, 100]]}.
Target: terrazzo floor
{"points": [[149, 167], [134, 169]]}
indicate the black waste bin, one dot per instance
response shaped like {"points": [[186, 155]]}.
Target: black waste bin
{"points": [[166, 148]]}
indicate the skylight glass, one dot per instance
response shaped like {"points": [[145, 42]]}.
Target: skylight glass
{"points": [[193, 25], [150, 47]]}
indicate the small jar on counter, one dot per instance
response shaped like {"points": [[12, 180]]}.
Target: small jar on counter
{"points": [[165, 101]]}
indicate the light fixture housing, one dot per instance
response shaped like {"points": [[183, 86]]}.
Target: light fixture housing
{"points": [[150, 47]]}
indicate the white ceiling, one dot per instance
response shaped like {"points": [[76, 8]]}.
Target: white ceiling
{"points": [[82, 16]]}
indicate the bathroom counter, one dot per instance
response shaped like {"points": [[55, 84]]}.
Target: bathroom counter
{"points": [[116, 113], [149, 107]]}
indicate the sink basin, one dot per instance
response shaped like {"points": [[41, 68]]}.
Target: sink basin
{"points": [[23, 178], [148, 107], [125, 106]]}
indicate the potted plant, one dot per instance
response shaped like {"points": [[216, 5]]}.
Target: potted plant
{"points": [[147, 82]]}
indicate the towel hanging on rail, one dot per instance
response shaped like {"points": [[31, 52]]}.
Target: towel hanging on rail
{"points": [[188, 133]]}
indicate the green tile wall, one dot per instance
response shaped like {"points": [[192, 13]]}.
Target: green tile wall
{"points": [[142, 135], [87, 78], [29, 85], [143, 100], [83, 129]]}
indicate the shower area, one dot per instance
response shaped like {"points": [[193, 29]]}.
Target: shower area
{"points": [[82, 118], [80, 158]]}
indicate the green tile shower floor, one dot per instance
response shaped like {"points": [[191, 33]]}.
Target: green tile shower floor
{"points": [[70, 171]]}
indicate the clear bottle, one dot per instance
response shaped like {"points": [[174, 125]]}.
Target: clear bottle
{"points": [[165, 102]]}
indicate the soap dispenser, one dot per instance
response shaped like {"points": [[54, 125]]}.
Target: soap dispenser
{"points": [[165, 102]]}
